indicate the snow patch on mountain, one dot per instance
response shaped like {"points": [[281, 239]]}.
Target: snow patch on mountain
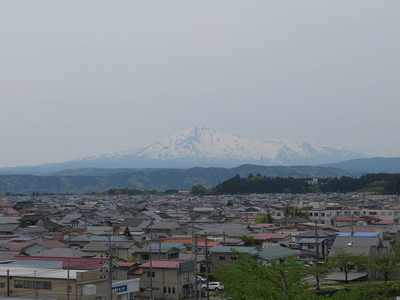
{"points": [[201, 143]]}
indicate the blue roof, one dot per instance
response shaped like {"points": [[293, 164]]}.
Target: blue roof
{"points": [[363, 234]]}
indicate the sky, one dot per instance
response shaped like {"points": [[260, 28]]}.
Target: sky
{"points": [[80, 78]]}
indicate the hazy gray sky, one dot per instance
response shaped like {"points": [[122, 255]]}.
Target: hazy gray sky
{"points": [[79, 78]]}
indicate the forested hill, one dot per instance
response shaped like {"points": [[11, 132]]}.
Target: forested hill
{"points": [[99, 180], [379, 183]]}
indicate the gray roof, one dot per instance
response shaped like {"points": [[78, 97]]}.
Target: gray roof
{"points": [[131, 222], [229, 249], [63, 252], [160, 225], [355, 244], [8, 254], [8, 227], [157, 249], [320, 233], [310, 240], [103, 246], [273, 253]]}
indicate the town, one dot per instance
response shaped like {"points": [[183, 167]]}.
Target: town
{"points": [[172, 246]]}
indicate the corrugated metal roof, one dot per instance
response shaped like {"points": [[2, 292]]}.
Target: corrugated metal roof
{"points": [[162, 264]]}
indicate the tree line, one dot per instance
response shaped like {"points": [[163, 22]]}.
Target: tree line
{"points": [[380, 183]]}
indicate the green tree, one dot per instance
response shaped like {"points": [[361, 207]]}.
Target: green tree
{"points": [[247, 279], [348, 262], [269, 218], [247, 239], [23, 222], [259, 219], [127, 233], [198, 189], [320, 270], [384, 263]]}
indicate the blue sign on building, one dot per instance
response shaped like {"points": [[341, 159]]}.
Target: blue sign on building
{"points": [[121, 288]]}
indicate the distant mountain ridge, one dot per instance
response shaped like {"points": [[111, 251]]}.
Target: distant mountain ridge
{"points": [[203, 147], [369, 165], [100, 180]]}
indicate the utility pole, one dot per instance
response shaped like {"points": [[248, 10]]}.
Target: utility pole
{"points": [[150, 259], [8, 283], [208, 292], [316, 243], [195, 268], [110, 275], [68, 282], [35, 284]]}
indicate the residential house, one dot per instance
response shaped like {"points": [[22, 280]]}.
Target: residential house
{"points": [[262, 240], [221, 256], [159, 252], [278, 254], [167, 279], [122, 249]]}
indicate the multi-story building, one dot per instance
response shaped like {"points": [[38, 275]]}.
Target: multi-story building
{"points": [[44, 283], [164, 279]]}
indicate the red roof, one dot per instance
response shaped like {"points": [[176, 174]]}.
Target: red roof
{"points": [[349, 219], [209, 244], [8, 236], [10, 210], [163, 264], [138, 271], [126, 264], [382, 223], [266, 224]]}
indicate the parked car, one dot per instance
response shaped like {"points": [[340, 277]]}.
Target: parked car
{"points": [[201, 279], [213, 286]]}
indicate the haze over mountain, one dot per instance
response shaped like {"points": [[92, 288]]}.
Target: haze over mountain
{"points": [[203, 147]]}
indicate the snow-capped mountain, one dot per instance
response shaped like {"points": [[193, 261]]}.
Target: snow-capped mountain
{"points": [[201, 146]]}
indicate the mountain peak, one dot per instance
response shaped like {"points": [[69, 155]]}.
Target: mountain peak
{"points": [[201, 146]]}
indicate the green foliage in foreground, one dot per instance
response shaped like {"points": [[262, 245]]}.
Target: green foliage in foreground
{"points": [[247, 279]]}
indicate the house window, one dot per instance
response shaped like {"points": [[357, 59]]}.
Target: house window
{"points": [[173, 290], [2, 285], [173, 255], [390, 213], [186, 275], [145, 256], [151, 274], [165, 289], [29, 284], [169, 290], [383, 213], [373, 213], [222, 258], [278, 214], [322, 214], [233, 258]]}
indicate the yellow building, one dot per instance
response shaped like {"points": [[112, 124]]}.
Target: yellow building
{"points": [[45, 283]]}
